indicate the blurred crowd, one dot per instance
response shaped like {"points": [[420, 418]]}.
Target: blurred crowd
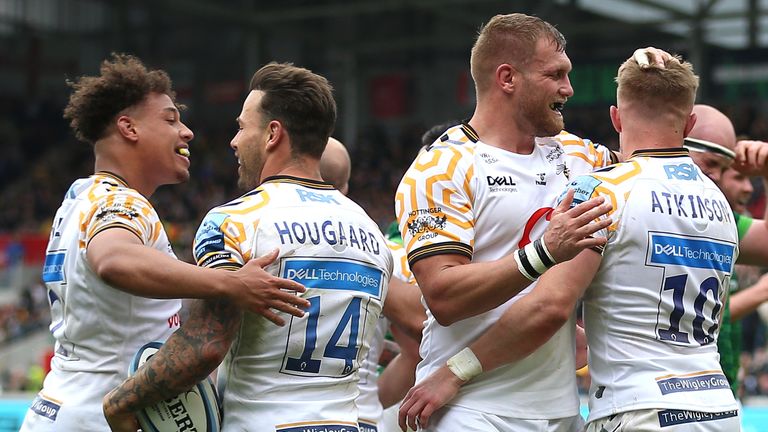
{"points": [[41, 158]]}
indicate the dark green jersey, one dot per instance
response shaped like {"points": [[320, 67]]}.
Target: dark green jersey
{"points": [[729, 340]]}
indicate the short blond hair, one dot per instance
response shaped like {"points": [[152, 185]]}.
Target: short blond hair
{"points": [[508, 39], [656, 90]]}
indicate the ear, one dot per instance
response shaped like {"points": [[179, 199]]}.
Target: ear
{"points": [[127, 128], [506, 77], [615, 118], [275, 134], [689, 124]]}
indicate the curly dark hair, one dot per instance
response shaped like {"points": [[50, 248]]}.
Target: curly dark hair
{"points": [[96, 100]]}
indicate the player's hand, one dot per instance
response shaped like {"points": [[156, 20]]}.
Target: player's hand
{"points": [[570, 229], [751, 157], [119, 421], [427, 397], [259, 291], [651, 57]]}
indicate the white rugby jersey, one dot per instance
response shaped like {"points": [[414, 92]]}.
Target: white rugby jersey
{"points": [[463, 196], [98, 328], [302, 376], [653, 309], [368, 403]]}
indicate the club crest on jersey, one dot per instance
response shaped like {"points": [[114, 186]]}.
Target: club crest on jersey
{"points": [[562, 168], [108, 213], [425, 226]]}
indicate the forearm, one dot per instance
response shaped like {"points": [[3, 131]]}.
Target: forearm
{"points": [[396, 379], [147, 272], [404, 309], [531, 321], [464, 291], [188, 357], [746, 301]]}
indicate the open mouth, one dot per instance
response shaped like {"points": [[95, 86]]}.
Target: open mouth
{"points": [[557, 107], [183, 151]]}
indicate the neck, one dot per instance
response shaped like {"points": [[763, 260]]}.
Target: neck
{"points": [[496, 125], [302, 166], [110, 158], [648, 136]]}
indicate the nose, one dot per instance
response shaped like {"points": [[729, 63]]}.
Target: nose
{"points": [[567, 89], [186, 133], [233, 142]]}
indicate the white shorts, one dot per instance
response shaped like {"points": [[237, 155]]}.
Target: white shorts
{"points": [[459, 419], [668, 420], [70, 402]]}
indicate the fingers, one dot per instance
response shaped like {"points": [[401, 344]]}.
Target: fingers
{"points": [[289, 285], [586, 206], [291, 307], [268, 314], [650, 56], [565, 204]]}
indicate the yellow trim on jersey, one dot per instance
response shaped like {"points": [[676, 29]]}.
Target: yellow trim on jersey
{"points": [[704, 372], [262, 195], [439, 248], [615, 180]]}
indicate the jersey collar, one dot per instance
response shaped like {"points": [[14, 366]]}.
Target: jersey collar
{"points": [[315, 184], [663, 153]]}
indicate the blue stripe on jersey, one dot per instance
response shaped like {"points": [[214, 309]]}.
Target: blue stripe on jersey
{"points": [[209, 237], [53, 267], [334, 274], [690, 252]]}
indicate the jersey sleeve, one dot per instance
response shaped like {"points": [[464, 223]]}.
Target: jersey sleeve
{"points": [[433, 203], [122, 208], [586, 187], [216, 243], [585, 155], [743, 223], [400, 260]]}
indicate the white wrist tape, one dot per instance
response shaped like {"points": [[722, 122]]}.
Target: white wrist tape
{"points": [[465, 365]]}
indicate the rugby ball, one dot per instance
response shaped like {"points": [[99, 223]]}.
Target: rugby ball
{"points": [[196, 410]]}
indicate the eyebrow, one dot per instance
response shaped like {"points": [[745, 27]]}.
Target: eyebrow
{"points": [[171, 109]]}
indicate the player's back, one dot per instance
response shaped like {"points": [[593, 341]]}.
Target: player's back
{"points": [[303, 375], [97, 327], [653, 309]]}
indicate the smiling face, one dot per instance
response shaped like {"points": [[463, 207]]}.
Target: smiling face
{"points": [[164, 139], [737, 189], [543, 89], [250, 141]]}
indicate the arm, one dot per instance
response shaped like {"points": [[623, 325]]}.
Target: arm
{"points": [[523, 328], [120, 258], [400, 373], [747, 300], [455, 288], [189, 355], [403, 307], [751, 158]]}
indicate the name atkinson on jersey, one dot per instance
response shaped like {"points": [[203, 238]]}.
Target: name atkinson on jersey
{"points": [[690, 206]]}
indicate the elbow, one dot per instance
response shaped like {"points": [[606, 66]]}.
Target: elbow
{"points": [[110, 270], [554, 315], [212, 357], [443, 313]]}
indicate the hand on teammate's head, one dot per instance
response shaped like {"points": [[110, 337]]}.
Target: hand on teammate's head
{"points": [[650, 56]]}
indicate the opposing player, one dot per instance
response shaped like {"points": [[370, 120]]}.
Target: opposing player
{"points": [[109, 268], [713, 146], [655, 293], [402, 308], [473, 208], [303, 375]]}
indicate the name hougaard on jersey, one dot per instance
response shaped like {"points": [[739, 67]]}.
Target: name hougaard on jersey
{"points": [[329, 232]]}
